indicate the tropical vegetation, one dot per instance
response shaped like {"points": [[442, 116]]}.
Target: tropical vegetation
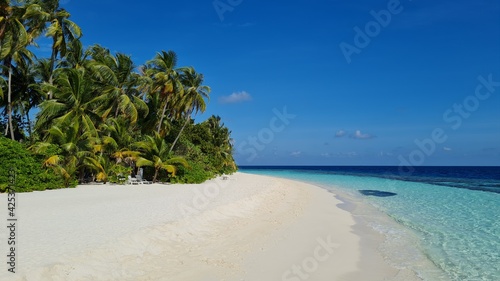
{"points": [[87, 114]]}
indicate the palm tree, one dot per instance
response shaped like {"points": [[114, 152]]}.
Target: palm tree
{"points": [[194, 96], [13, 42], [149, 122], [76, 148], [60, 28], [13, 35], [115, 141], [119, 84], [73, 103], [99, 164], [164, 80], [118, 139], [222, 143], [28, 94], [76, 56], [20, 56], [155, 153]]}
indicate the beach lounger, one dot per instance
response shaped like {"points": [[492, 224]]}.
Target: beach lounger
{"points": [[142, 181], [132, 180]]}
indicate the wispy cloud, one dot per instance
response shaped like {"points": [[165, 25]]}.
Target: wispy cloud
{"points": [[296, 153], [356, 135], [340, 133], [236, 97], [447, 149], [362, 136]]}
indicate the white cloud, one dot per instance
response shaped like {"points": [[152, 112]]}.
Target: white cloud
{"points": [[340, 134], [236, 97], [447, 149], [361, 136], [296, 153]]}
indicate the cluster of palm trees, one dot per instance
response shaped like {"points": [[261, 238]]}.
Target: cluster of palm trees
{"points": [[99, 114]]}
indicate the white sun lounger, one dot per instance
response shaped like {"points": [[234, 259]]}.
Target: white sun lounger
{"points": [[132, 180], [142, 181]]}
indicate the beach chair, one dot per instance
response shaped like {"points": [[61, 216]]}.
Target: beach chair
{"points": [[142, 181], [132, 180]]}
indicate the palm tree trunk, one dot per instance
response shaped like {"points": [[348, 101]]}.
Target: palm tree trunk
{"points": [[9, 101], [50, 92], [29, 123], [116, 112], [162, 116], [81, 174], [2, 31], [180, 132], [156, 174], [51, 68]]}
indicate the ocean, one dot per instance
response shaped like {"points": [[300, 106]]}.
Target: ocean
{"points": [[442, 222]]}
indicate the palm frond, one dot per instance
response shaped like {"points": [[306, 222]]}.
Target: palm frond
{"points": [[51, 161], [142, 162]]}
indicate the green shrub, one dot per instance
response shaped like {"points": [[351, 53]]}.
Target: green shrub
{"points": [[119, 174], [196, 173], [30, 175]]}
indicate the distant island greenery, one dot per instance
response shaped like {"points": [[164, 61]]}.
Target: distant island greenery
{"points": [[99, 117]]}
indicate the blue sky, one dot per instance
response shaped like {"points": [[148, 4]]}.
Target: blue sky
{"points": [[402, 88]]}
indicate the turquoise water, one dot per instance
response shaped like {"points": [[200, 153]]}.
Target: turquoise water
{"points": [[457, 229]]}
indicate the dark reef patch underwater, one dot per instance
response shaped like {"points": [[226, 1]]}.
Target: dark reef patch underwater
{"points": [[377, 193]]}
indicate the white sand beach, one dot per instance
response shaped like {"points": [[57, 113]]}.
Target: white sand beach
{"points": [[247, 227]]}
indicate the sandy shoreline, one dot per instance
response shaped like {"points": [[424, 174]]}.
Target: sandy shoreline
{"points": [[246, 228]]}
